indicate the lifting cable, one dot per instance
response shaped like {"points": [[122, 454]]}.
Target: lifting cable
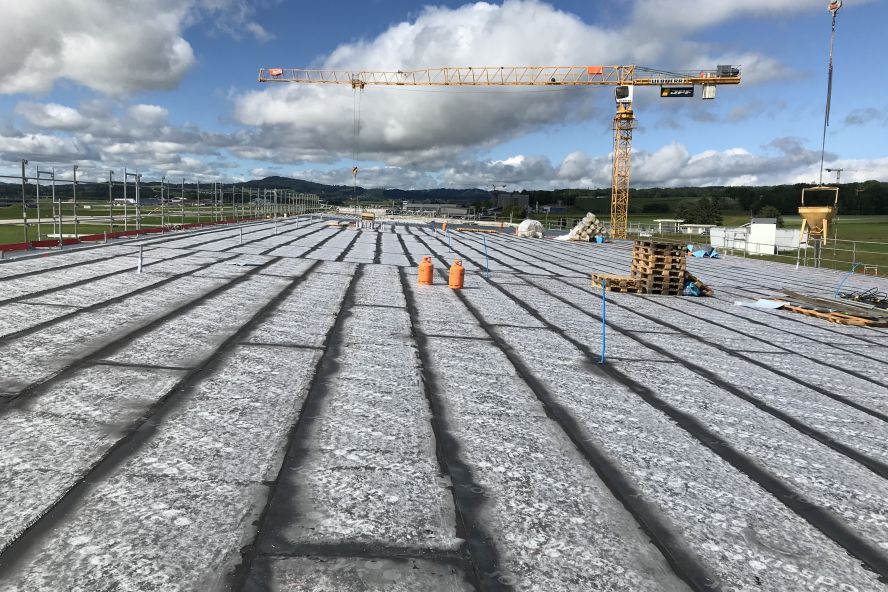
{"points": [[834, 10], [356, 131]]}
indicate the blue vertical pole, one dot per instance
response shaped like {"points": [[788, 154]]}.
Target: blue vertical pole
{"points": [[486, 260], [603, 318], [449, 246]]}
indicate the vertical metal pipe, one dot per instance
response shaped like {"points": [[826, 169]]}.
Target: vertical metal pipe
{"points": [[183, 201], [110, 201], [38, 202], [198, 201], [125, 202], [76, 219], [61, 212], [24, 203], [162, 203], [603, 318], [138, 202]]}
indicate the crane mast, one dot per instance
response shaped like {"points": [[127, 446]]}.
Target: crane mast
{"points": [[623, 78]]}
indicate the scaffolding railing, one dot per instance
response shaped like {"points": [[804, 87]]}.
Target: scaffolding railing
{"points": [[75, 214]]}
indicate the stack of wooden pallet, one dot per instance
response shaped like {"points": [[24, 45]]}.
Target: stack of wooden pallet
{"points": [[657, 268]]}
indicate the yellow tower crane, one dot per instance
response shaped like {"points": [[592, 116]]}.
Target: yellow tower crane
{"points": [[623, 78]]}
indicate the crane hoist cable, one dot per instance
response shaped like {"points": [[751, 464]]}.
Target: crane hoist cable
{"points": [[834, 10], [356, 135]]}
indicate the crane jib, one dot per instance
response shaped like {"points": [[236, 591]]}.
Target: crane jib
{"points": [[672, 83]]}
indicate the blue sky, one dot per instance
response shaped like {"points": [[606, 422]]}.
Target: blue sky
{"points": [[171, 89]]}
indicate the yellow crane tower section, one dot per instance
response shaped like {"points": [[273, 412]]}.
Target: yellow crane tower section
{"points": [[623, 78]]}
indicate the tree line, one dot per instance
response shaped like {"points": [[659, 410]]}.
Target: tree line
{"points": [[867, 198]]}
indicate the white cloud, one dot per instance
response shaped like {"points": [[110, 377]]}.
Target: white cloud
{"points": [[102, 135], [112, 46], [147, 115], [853, 170], [115, 47], [39, 145], [424, 137], [52, 115], [429, 127], [784, 160]]}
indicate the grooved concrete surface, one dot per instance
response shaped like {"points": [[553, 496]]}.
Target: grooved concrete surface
{"points": [[290, 411]]}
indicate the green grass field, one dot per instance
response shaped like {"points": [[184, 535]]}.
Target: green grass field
{"points": [[13, 233]]}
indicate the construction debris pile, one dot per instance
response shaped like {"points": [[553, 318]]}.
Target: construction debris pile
{"points": [[657, 268], [873, 297], [530, 229], [586, 229], [835, 310]]}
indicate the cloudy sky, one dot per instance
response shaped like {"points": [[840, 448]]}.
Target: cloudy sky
{"points": [[168, 87]]}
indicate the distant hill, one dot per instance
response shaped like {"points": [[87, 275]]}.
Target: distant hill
{"points": [[343, 192], [12, 192], [300, 186]]}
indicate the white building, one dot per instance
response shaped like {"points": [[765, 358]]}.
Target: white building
{"points": [[759, 237]]}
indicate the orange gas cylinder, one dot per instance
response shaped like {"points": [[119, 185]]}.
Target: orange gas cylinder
{"points": [[425, 271], [457, 275], [444, 227]]}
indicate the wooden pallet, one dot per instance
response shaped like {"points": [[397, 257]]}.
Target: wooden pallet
{"points": [[657, 259], [659, 246], [835, 317], [666, 292], [668, 273], [618, 283], [664, 249]]}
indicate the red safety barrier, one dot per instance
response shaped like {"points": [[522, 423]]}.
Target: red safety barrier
{"points": [[54, 242], [14, 247]]}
